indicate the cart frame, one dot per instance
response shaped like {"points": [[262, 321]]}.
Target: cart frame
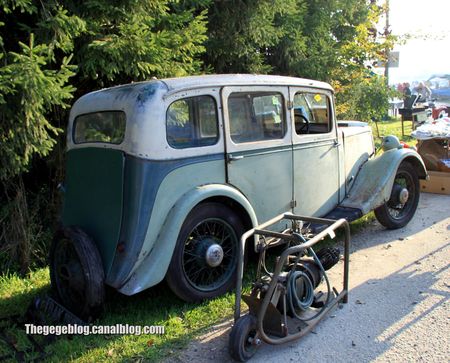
{"points": [[260, 230]]}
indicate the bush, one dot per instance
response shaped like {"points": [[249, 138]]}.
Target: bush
{"points": [[366, 99]]}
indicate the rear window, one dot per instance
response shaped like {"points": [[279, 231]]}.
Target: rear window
{"points": [[106, 126]]}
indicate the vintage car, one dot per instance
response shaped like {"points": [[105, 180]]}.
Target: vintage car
{"points": [[164, 176]]}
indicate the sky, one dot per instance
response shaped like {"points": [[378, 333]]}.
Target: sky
{"points": [[429, 52]]}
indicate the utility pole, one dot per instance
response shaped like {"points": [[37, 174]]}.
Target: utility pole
{"points": [[386, 34]]}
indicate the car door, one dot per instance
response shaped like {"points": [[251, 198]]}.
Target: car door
{"points": [[315, 152], [259, 147]]}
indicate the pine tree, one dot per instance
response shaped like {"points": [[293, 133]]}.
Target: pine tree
{"points": [[51, 51]]}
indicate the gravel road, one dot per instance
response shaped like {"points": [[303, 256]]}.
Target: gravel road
{"points": [[399, 301]]}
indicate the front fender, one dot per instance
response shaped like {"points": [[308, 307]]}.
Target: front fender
{"points": [[373, 184], [154, 266]]}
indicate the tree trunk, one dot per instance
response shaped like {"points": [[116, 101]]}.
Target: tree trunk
{"points": [[16, 229]]}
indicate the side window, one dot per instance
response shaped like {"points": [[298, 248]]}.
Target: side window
{"points": [[312, 113], [256, 116], [192, 122]]}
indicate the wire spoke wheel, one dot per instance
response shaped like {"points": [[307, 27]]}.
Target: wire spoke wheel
{"points": [[402, 204], [205, 257], [210, 253]]}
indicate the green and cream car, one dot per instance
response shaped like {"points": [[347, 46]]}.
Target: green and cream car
{"points": [[163, 177]]}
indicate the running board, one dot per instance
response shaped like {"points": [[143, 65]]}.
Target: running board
{"points": [[350, 214]]}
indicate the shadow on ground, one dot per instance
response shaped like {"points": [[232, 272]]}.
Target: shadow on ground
{"points": [[340, 340]]}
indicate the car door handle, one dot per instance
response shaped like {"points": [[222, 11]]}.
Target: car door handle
{"points": [[336, 144], [234, 158]]}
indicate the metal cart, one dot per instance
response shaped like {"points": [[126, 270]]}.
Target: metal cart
{"points": [[276, 297]]}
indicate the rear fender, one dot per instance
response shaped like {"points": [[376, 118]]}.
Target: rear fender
{"points": [[154, 266], [373, 184]]}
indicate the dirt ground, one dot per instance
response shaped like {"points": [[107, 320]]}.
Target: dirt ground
{"points": [[399, 301]]}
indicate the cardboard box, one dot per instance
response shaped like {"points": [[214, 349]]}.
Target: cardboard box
{"points": [[444, 165], [432, 152], [439, 183]]}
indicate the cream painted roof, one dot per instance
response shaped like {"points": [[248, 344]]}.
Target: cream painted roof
{"points": [[239, 80], [221, 80]]}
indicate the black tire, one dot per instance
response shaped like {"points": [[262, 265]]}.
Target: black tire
{"points": [[189, 275], [393, 214], [240, 343], [76, 273]]}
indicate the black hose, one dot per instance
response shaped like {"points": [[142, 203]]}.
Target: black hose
{"points": [[304, 302]]}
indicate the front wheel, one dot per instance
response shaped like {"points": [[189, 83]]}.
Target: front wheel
{"points": [[205, 258], [402, 204]]}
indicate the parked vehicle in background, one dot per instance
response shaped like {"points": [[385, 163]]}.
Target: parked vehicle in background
{"points": [[163, 177], [439, 110], [440, 87]]}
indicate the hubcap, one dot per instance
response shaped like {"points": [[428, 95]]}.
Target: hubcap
{"points": [[403, 196], [210, 254], [214, 255]]}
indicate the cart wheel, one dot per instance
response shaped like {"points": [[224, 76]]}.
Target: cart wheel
{"points": [[402, 205], [76, 272], [204, 261], [243, 341]]}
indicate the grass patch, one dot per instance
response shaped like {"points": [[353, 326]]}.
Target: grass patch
{"points": [[17, 292], [362, 223], [392, 128], [156, 306]]}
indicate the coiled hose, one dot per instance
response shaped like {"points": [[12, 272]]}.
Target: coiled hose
{"points": [[305, 301], [302, 303]]}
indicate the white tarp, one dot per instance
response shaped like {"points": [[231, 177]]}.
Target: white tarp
{"points": [[436, 129]]}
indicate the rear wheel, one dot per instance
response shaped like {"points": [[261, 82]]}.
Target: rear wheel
{"points": [[76, 272], [402, 204], [205, 258]]}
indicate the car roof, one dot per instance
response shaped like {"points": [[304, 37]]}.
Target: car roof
{"points": [[239, 80], [219, 80], [123, 94], [446, 76]]}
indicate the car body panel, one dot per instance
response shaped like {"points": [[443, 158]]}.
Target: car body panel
{"points": [[358, 147], [93, 197], [374, 182], [151, 188], [318, 162], [265, 178], [153, 268]]}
